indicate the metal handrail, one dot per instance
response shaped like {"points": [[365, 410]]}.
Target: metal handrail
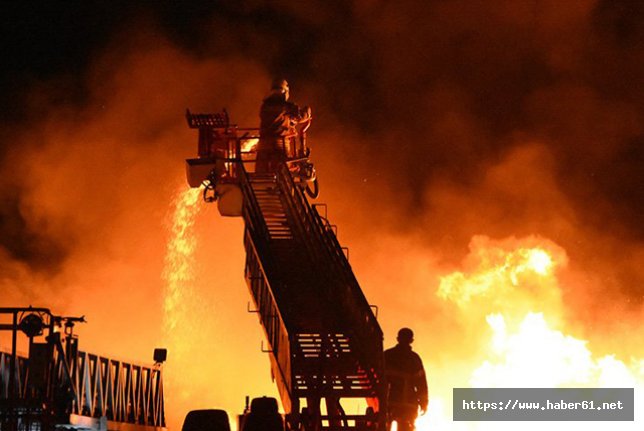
{"points": [[256, 242], [100, 386], [120, 391], [251, 212], [322, 233], [319, 239], [277, 335]]}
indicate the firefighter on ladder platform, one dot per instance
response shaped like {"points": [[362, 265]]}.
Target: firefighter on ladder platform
{"points": [[278, 121], [407, 383]]}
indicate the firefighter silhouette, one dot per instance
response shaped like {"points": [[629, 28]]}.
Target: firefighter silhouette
{"points": [[277, 130], [407, 383]]}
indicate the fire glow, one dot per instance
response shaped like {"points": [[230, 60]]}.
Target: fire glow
{"points": [[510, 287], [523, 348]]}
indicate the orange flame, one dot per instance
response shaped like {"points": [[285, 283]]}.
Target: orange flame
{"points": [[523, 349], [249, 144]]}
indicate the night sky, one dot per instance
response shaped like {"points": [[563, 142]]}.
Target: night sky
{"points": [[435, 94]]}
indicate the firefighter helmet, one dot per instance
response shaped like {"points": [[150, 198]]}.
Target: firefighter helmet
{"points": [[280, 84], [405, 336]]}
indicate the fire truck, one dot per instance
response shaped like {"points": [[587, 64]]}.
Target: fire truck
{"points": [[324, 342], [55, 385]]}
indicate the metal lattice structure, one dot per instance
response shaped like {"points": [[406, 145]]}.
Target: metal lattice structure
{"points": [[58, 385], [117, 390]]}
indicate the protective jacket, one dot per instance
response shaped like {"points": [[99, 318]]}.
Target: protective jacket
{"points": [[278, 117], [406, 379]]}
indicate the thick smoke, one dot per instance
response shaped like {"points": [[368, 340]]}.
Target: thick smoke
{"points": [[434, 122], [97, 182], [511, 118]]}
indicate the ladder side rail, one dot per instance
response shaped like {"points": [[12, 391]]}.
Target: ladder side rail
{"points": [[156, 407], [4, 375], [147, 391], [160, 404], [23, 375], [301, 230], [328, 254], [313, 225], [82, 365], [99, 394], [83, 385], [251, 212], [110, 388], [127, 393], [354, 298], [316, 236], [129, 384], [18, 410], [65, 381], [117, 414], [5, 371], [256, 242], [354, 292], [271, 319], [320, 237], [138, 395], [303, 226], [370, 337]]}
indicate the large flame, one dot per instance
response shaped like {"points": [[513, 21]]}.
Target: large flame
{"points": [[513, 288], [249, 144], [499, 278]]}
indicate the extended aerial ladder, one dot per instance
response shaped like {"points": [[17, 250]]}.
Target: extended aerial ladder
{"points": [[58, 386], [323, 339]]}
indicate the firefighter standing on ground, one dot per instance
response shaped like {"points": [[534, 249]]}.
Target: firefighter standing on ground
{"points": [[278, 121], [407, 383]]}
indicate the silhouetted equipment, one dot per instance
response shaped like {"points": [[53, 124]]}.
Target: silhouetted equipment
{"points": [[262, 415], [206, 420], [59, 386], [160, 355], [324, 341]]}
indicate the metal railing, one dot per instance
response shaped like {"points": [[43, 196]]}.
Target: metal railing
{"points": [[120, 391], [99, 387], [341, 286], [257, 272], [321, 241], [20, 366], [59, 385], [272, 322]]}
